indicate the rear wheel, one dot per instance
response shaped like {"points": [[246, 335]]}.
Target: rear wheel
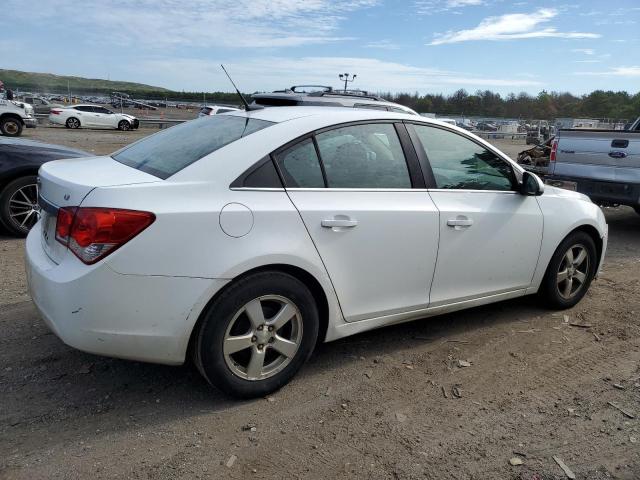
{"points": [[257, 334], [72, 122], [124, 125], [19, 210], [570, 271], [11, 126]]}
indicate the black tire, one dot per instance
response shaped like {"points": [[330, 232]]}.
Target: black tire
{"points": [[228, 310], [11, 126], [72, 122], [550, 289], [13, 214], [124, 126]]}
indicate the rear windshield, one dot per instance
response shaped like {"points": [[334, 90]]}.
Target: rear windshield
{"points": [[172, 150]]}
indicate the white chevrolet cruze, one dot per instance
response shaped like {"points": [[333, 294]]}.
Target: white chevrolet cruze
{"points": [[245, 238]]}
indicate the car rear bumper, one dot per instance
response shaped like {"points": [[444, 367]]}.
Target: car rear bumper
{"points": [[604, 192], [97, 310]]}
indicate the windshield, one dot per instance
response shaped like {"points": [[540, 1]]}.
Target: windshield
{"points": [[172, 150]]}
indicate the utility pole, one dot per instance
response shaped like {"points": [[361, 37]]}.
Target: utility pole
{"points": [[345, 78]]}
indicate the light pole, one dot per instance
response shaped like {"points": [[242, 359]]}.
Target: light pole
{"points": [[345, 78]]}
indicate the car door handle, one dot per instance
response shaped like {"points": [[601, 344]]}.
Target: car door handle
{"points": [[339, 222], [459, 222]]}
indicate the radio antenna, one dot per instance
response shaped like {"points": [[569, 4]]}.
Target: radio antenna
{"points": [[247, 107]]}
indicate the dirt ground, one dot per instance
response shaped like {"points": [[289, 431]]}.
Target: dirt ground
{"points": [[392, 403]]}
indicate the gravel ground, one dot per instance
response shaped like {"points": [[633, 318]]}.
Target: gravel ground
{"points": [[392, 403]]}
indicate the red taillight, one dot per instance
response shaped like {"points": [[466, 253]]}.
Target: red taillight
{"points": [[55, 112], [554, 151], [92, 233]]}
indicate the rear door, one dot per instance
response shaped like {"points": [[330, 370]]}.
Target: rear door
{"points": [[85, 114], [376, 234], [490, 235]]}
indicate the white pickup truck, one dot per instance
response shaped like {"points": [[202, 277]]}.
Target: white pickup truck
{"points": [[14, 116], [602, 164]]}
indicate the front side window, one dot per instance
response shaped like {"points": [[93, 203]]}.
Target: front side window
{"points": [[363, 156], [171, 150], [460, 163], [300, 166]]}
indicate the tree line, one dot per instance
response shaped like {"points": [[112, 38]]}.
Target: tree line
{"points": [[545, 105]]}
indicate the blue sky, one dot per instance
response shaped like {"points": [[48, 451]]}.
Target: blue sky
{"points": [[428, 46]]}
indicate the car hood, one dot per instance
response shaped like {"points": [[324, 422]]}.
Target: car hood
{"points": [[563, 193]]}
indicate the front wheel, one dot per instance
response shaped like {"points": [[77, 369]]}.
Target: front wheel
{"points": [[570, 271], [124, 126], [11, 126], [257, 334]]}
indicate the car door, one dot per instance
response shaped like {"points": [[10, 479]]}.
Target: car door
{"points": [[85, 114], [375, 233], [490, 234], [104, 118]]}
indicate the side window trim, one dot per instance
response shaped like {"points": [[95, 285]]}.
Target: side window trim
{"points": [[239, 182], [324, 173], [429, 176], [411, 156]]}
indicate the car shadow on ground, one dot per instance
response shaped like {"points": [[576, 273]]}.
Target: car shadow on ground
{"points": [[60, 384]]}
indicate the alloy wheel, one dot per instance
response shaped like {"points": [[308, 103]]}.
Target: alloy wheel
{"points": [[24, 210], [263, 337], [573, 271]]}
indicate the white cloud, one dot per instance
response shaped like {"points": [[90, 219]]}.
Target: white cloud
{"points": [[616, 72], [157, 24], [270, 73], [383, 45], [586, 51], [429, 7], [510, 26]]}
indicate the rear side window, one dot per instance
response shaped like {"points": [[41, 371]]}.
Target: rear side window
{"points": [[206, 110], [300, 166], [173, 149], [363, 156]]}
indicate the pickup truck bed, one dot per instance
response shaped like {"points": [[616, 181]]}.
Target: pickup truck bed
{"points": [[603, 164]]}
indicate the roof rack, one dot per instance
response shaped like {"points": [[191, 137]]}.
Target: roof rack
{"points": [[299, 88], [348, 93]]}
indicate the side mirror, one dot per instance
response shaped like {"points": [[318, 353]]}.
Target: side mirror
{"points": [[531, 184]]}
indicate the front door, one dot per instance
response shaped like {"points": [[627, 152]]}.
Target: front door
{"points": [[376, 235], [490, 235]]}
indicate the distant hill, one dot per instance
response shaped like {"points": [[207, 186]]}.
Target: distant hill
{"points": [[49, 82]]}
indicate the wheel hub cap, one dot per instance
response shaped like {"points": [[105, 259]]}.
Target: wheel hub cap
{"points": [[573, 271], [262, 337]]}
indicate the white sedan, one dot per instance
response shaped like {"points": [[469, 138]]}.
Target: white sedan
{"points": [[244, 239], [92, 116]]}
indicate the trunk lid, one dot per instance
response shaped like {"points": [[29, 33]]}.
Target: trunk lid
{"points": [[65, 183]]}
